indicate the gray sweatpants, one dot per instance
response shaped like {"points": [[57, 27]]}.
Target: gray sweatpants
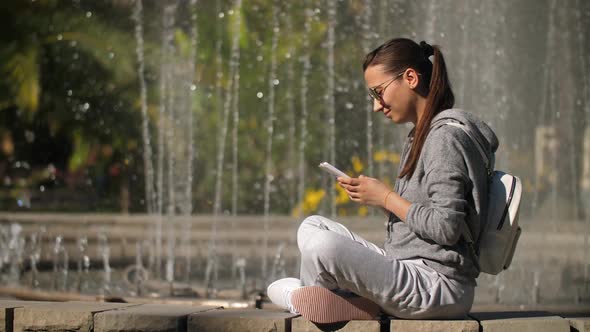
{"points": [[336, 258]]}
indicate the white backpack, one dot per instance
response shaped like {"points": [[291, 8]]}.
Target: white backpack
{"points": [[500, 232]]}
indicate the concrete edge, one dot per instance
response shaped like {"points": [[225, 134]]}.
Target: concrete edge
{"points": [[475, 321], [541, 320]]}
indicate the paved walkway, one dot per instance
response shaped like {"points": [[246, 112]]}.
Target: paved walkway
{"points": [[103, 317]]}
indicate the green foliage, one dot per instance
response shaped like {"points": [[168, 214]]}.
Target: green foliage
{"points": [[67, 84], [21, 68], [80, 154], [70, 77]]}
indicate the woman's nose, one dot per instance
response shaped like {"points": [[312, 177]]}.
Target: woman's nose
{"points": [[377, 107]]}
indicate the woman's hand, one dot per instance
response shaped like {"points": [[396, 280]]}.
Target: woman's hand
{"points": [[365, 190]]}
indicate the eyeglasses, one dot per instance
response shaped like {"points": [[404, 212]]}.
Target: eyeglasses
{"points": [[378, 94]]}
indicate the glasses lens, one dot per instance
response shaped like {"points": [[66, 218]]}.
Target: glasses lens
{"points": [[374, 94]]}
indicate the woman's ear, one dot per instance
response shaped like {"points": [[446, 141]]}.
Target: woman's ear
{"points": [[412, 78], [415, 82]]}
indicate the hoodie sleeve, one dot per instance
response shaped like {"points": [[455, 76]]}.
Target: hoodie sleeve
{"points": [[446, 178]]}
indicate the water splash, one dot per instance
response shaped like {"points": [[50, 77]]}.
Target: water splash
{"points": [[170, 256], [306, 59], [83, 264], [291, 116], [139, 278], [16, 247], [147, 149], [185, 244], [34, 257], [226, 108], [230, 102], [171, 93], [219, 75], [188, 199], [222, 131], [270, 130], [4, 252], [463, 72], [367, 17], [60, 264], [331, 103], [279, 267], [241, 267], [535, 300], [211, 275], [104, 252], [235, 97], [432, 10]]}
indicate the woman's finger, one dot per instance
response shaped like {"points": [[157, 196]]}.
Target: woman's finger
{"points": [[351, 188], [354, 195], [341, 180], [354, 181]]}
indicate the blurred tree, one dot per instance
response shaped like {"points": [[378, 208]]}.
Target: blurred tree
{"points": [[67, 85]]}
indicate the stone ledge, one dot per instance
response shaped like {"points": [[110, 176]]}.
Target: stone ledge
{"points": [[301, 324], [579, 324], [60, 316], [400, 325], [146, 318], [7, 312], [100, 316], [534, 321], [240, 320]]}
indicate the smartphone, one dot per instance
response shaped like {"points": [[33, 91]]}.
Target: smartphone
{"points": [[333, 170]]}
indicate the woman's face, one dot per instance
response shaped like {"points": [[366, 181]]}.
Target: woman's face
{"points": [[397, 99]]}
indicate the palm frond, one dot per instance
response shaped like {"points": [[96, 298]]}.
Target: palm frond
{"points": [[22, 69]]}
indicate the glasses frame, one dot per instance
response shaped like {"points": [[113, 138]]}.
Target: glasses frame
{"points": [[378, 95]]}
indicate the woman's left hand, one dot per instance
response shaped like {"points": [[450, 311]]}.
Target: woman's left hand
{"points": [[365, 190]]}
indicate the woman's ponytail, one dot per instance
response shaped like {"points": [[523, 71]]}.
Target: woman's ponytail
{"points": [[440, 97]]}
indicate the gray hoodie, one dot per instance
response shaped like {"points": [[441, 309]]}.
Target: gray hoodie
{"points": [[448, 192]]}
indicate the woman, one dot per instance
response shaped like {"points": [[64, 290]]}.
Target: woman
{"points": [[425, 270]]}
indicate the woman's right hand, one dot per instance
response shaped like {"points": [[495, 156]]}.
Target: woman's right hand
{"points": [[365, 190]]}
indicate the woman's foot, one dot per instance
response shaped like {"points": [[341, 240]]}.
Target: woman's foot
{"points": [[321, 305], [280, 292]]}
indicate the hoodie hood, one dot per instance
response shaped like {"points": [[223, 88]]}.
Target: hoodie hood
{"points": [[481, 129]]}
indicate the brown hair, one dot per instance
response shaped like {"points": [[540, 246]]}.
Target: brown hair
{"points": [[399, 54]]}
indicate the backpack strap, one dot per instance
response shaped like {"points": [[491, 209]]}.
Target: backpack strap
{"points": [[478, 144]]}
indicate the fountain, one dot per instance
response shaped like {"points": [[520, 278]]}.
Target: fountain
{"points": [[104, 252], [234, 115], [83, 264], [34, 256], [60, 265]]}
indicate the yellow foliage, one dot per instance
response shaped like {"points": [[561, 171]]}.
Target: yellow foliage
{"points": [[380, 155], [341, 196], [310, 203], [313, 198], [363, 211], [386, 156], [357, 164]]}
